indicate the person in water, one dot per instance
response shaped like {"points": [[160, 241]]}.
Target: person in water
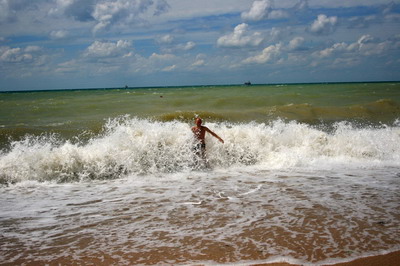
{"points": [[199, 132]]}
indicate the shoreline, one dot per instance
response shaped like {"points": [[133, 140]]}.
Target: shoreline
{"points": [[389, 259]]}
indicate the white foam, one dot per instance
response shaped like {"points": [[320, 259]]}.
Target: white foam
{"points": [[127, 215], [140, 146]]}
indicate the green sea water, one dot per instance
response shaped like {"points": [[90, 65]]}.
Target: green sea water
{"points": [[71, 112]]}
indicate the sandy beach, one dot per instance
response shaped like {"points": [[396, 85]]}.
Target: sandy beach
{"points": [[390, 259]]}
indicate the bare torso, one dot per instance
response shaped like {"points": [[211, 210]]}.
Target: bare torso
{"points": [[200, 133]]}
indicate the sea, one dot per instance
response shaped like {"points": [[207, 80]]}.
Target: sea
{"points": [[307, 174]]}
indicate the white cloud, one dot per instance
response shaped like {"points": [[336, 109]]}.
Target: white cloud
{"points": [[109, 13], [187, 46], [108, 49], [258, 11], [13, 55], [323, 25], [240, 38], [170, 48], [165, 39], [59, 34], [278, 14], [169, 68], [268, 54], [277, 34], [68, 67], [296, 43], [22, 62], [32, 49], [366, 45], [337, 47], [161, 57], [30, 54], [198, 63], [376, 48], [301, 5], [263, 9], [365, 39]]}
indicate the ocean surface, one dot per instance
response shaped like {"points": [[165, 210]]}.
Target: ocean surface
{"points": [[308, 174]]}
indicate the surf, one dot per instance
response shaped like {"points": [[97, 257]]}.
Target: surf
{"points": [[134, 146]]}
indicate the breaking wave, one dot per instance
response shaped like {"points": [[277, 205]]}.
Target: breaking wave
{"points": [[133, 146]]}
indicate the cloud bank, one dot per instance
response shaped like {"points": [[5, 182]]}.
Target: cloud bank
{"points": [[172, 42]]}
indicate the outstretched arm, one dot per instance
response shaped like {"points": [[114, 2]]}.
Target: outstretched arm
{"points": [[215, 135]]}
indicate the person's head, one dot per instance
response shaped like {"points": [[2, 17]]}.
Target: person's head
{"points": [[198, 121]]}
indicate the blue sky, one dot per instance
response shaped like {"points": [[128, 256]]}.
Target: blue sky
{"points": [[62, 44]]}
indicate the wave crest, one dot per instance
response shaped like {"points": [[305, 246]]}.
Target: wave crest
{"points": [[140, 147]]}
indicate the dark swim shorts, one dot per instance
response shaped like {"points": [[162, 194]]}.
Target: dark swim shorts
{"points": [[200, 146]]}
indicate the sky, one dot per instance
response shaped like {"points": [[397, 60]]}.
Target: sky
{"points": [[71, 44]]}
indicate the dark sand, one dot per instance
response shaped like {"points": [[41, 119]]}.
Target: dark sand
{"points": [[390, 259]]}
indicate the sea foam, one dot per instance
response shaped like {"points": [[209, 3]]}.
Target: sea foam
{"points": [[140, 146]]}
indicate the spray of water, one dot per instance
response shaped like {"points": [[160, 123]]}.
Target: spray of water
{"points": [[141, 147]]}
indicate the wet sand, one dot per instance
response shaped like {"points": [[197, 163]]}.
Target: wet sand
{"points": [[208, 219], [390, 259], [248, 229]]}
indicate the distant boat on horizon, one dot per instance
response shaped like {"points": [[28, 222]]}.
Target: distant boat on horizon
{"points": [[248, 83]]}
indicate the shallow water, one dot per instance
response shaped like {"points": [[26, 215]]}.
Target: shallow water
{"points": [[218, 216]]}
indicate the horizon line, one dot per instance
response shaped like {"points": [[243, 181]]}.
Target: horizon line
{"points": [[126, 87]]}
